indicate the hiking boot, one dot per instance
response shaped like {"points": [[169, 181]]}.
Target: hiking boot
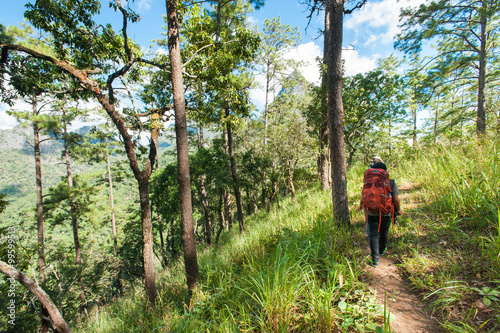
{"points": [[372, 263]]}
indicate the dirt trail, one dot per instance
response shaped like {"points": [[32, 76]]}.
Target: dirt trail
{"points": [[407, 312]]}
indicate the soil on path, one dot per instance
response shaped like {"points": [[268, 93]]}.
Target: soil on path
{"points": [[407, 312]]}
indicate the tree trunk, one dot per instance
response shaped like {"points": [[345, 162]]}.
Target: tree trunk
{"points": [[264, 190], [436, 115], [256, 201], [147, 236], [221, 217], [58, 321], [162, 241], [39, 210], [189, 241], [481, 114], [237, 194], [74, 220], [414, 120], [390, 136], [207, 223], [111, 201], [323, 132], [290, 180], [227, 210], [266, 107], [323, 158], [336, 113]]}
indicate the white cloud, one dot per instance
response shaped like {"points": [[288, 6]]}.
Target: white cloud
{"points": [[307, 53], [383, 15], [355, 64], [144, 6]]}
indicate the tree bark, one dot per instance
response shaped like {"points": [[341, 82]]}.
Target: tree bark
{"points": [[290, 180], [481, 114], [323, 132], [74, 219], [336, 113], [59, 323], [108, 103], [436, 116], [39, 209], [207, 223], [162, 241], [147, 236], [189, 241], [266, 107], [39, 194], [111, 201], [237, 194], [227, 210]]}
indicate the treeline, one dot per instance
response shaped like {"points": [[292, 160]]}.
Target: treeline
{"points": [[98, 233]]}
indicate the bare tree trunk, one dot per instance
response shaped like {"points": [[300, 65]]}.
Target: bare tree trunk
{"points": [[227, 210], [390, 135], [481, 114], [111, 201], [39, 195], [221, 217], [266, 107], [162, 241], [255, 201], [39, 210], [264, 190], [59, 323], [207, 223], [227, 195], [74, 220], [147, 235], [189, 241], [414, 115], [323, 133], [236, 186], [290, 180], [436, 119], [336, 113]]}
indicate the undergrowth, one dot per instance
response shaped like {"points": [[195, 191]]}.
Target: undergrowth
{"points": [[294, 270], [449, 241]]}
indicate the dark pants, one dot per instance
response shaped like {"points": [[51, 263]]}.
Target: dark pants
{"points": [[378, 240]]}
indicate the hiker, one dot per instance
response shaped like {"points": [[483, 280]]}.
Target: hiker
{"points": [[379, 213], [375, 159]]}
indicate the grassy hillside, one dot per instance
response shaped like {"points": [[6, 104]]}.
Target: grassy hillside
{"points": [[294, 270]]}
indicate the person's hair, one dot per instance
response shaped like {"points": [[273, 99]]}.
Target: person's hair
{"points": [[379, 165]]}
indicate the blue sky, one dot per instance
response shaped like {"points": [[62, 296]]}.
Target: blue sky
{"points": [[368, 33]]}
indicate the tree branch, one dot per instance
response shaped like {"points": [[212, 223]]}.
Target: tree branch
{"points": [[58, 321]]}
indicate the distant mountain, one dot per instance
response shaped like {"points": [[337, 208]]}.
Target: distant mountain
{"points": [[21, 138]]}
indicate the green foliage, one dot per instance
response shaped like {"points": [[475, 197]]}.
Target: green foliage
{"points": [[291, 270], [448, 237], [5, 37]]}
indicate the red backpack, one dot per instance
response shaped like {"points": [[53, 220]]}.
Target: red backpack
{"points": [[377, 193]]}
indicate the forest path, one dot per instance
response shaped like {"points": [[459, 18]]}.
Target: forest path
{"points": [[407, 312]]}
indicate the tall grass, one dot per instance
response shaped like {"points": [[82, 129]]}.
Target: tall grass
{"points": [[292, 271], [450, 243]]}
